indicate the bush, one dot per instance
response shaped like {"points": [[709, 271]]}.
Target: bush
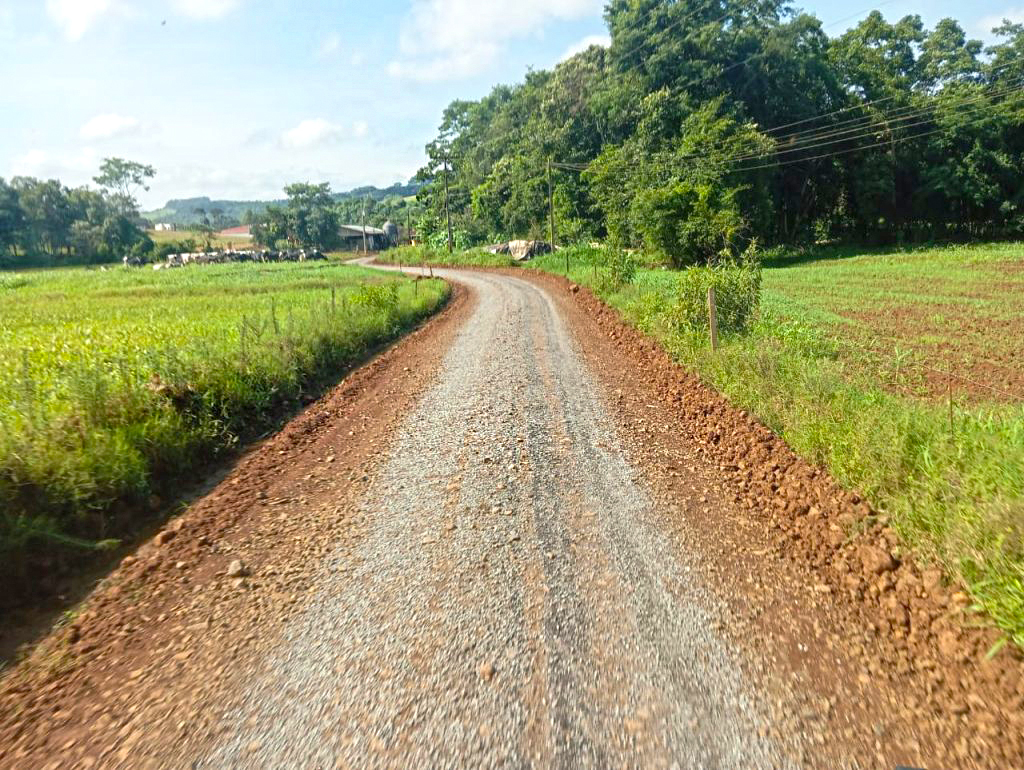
{"points": [[737, 295], [382, 298], [620, 271]]}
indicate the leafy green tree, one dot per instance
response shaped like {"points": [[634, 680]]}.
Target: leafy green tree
{"points": [[270, 227], [48, 215], [671, 188], [312, 218], [12, 220], [124, 178]]}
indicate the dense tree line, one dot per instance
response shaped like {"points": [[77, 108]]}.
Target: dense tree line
{"points": [[44, 223], [710, 123]]}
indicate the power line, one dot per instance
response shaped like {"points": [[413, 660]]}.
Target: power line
{"points": [[907, 111], [860, 106], [865, 132], [673, 165], [885, 122], [864, 147]]}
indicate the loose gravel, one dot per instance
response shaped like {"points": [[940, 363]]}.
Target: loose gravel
{"points": [[514, 602]]}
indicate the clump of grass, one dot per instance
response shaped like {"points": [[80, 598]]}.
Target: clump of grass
{"points": [[132, 380]]}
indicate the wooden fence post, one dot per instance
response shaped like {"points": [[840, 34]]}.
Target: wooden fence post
{"points": [[713, 318], [949, 389]]}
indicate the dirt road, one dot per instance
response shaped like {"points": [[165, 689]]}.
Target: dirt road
{"points": [[491, 547], [513, 601]]}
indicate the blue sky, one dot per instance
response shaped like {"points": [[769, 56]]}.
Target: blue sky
{"points": [[236, 98]]}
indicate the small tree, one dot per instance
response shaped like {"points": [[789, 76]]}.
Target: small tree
{"points": [[124, 178]]}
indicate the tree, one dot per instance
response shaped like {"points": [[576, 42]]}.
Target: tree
{"points": [[312, 220], [12, 220], [124, 178], [269, 227], [48, 215]]}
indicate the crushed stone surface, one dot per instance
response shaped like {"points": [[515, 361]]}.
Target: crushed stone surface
{"points": [[514, 602]]}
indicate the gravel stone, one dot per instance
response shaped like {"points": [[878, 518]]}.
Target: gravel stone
{"points": [[608, 652]]}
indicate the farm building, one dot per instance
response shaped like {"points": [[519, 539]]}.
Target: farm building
{"points": [[352, 238], [164, 227], [243, 231]]}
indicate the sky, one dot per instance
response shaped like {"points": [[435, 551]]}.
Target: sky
{"points": [[234, 99]]}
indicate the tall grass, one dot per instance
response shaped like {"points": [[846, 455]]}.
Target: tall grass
{"points": [[115, 384]]}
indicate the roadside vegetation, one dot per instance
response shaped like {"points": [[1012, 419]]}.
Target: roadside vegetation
{"points": [[116, 384], [952, 488]]}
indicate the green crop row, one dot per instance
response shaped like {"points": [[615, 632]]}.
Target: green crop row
{"points": [[115, 384]]}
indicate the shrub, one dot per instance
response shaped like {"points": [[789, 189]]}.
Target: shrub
{"points": [[737, 295], [620, 271], [382, 298]]}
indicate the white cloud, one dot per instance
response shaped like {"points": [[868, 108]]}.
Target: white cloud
{"points": [[76, 17], [582, 45], [205, 9], [317, 132], [988, 23], [109, 126], [446, 39], [311, 133]]}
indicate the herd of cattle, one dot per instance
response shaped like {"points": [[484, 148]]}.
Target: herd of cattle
{"points": [[222, 257]]}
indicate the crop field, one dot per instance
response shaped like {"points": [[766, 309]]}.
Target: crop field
{"points": [[909, 318], [115, 384]]}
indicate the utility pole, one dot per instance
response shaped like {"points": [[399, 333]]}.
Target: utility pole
{"points": [[551, 219], [447, 212], [364, 227], [551, 208]]}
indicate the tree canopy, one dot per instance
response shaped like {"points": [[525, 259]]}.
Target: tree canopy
{"points": [[706, 125], [43, 222]]}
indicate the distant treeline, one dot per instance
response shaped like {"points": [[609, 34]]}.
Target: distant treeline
{"points": [[311, 216], [187, 212], [706, 125]]}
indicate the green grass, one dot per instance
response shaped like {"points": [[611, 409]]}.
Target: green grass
{"points": [[954, 494], [951, 309], [115, 384]]}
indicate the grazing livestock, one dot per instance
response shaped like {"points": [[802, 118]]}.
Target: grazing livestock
{"points": [[230, 256]]}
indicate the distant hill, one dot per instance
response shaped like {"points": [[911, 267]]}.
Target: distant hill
{"points": [[182, 212]]}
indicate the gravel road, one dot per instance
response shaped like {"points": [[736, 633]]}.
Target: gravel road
{"points": [[514, 601]]}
